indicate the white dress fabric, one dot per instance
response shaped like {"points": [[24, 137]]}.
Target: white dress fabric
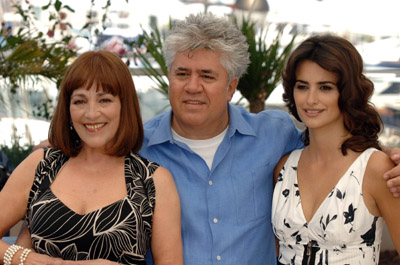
{"points": [[342, 230]]}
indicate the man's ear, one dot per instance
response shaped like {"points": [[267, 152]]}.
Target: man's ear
{"points": [[232, 87]]}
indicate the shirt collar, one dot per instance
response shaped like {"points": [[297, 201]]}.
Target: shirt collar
{"points": [[162, 132], [237, 122]]}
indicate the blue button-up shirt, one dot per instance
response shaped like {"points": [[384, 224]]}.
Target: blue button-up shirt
{"points": [[226, 212]]}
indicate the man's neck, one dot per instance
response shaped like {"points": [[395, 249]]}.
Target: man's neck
{"points": [[200, 132]]}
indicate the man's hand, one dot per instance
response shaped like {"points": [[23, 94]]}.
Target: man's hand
{"points": [[42, 144], [393, 176]]}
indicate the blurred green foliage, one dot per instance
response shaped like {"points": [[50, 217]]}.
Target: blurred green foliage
{"points": [[267, 62]]}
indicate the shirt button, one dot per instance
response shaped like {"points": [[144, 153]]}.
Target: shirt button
{"points": [[215, 220], [210, 182], [218, 257]]}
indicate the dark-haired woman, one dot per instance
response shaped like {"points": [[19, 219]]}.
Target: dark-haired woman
{"points": [[330, 201]]}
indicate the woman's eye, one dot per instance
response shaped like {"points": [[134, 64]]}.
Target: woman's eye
{"points": [[78, 101], [326, 88], [105, 100], [301, 87]]}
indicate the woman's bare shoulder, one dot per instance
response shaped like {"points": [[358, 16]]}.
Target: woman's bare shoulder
{"points": [[379, 163]]}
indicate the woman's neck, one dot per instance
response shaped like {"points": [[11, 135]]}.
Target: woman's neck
{"points": [[96, 156], [325, 145]]}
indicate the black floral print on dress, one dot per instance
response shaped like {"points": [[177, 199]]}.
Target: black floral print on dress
{"points": [[369, 236]]}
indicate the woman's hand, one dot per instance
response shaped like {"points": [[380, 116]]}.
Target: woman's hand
{"points": [[34, 258]]}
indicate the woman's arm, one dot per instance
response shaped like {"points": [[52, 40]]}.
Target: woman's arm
{"points": [[13, 203], [24, 237], [166, 240], [279, 166], [378, 198], [14, 195], [277, 171]]}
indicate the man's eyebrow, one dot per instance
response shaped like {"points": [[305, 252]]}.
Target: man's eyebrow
{"points": [[209, 71], [180, 69], [204, 71]]}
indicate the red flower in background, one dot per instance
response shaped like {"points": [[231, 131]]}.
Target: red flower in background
{"points": [[63, 15], [50, 33]]}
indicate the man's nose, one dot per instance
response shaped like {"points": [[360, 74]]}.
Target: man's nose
{"points": [[193, 84]]}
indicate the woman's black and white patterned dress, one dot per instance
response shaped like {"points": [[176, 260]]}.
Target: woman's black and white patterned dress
{"points": [[119, 232], [342, 231]]}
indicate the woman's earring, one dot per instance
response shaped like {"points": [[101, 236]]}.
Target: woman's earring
{"points": [[71, 126]]}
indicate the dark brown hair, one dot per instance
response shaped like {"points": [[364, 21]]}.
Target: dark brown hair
{"points": [[108, 72], [339, 56]]}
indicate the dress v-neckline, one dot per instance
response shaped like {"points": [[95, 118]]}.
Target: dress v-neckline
{"points": [[328, 195], [93, 211]]}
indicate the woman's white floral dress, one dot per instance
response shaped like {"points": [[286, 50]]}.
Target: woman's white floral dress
{"points": [[342, 231]]}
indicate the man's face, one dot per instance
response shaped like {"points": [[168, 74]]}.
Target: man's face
{"points": [[199, 92]]}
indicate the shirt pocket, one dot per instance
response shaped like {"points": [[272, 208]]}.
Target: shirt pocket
{"points": [[253, 194]]}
